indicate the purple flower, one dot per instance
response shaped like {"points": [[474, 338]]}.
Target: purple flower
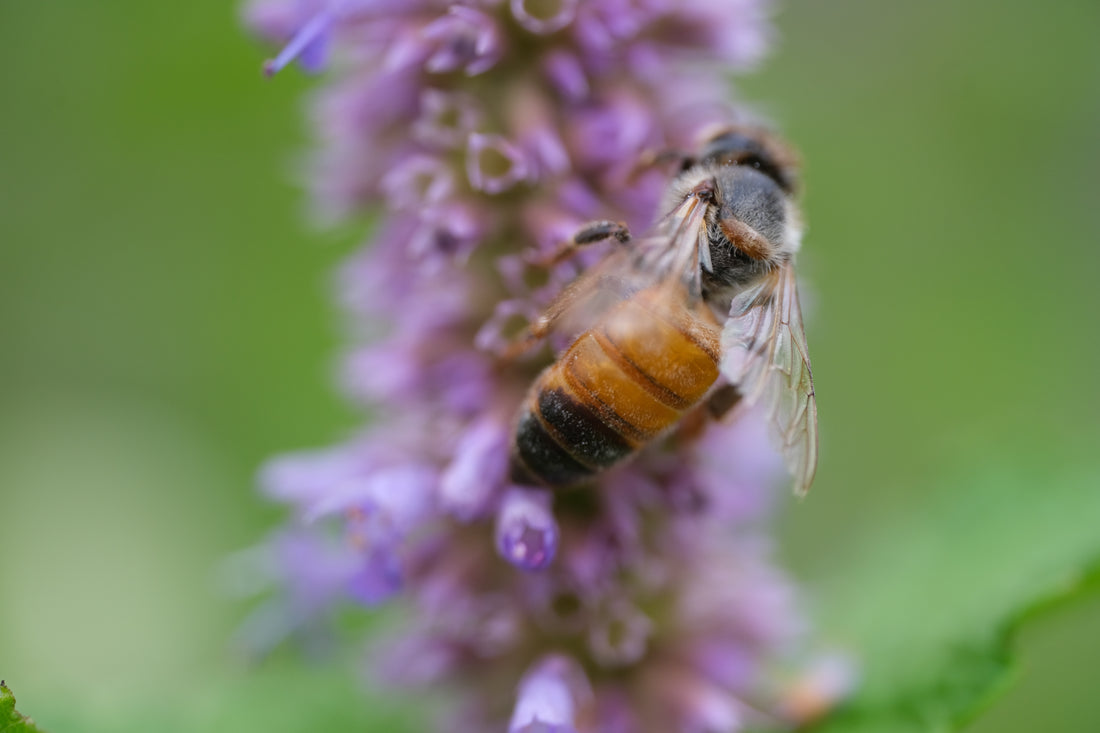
{"points": [[548, 698], [464, 39], [527, 534], [446, 118], [477, 472], [482, 135], [493, 164]]}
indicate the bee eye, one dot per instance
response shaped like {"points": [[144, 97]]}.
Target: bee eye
{"points": [[753, 161], [765, 166], [743, 150]]}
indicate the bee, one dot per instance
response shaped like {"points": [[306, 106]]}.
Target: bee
{"points": [[702, 309]]}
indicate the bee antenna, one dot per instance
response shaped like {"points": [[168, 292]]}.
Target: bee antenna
{"points": [[661, 158]]}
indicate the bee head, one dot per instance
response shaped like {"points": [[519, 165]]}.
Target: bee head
{"points": [[753, 223], [754, 148], [755, 177], [751, 213]]}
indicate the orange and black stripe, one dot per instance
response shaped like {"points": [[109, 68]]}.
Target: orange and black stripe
{"points": [[619, 385]]}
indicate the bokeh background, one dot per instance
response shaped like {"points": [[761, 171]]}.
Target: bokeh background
{"points": [[166, 324]]}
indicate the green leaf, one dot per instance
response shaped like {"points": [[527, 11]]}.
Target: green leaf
{"points": [[11, 721], [936, 596], [283, 695]]}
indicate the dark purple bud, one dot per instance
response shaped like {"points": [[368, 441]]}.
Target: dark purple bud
{"points": [[527, 534], [464, 39], [449, 232]]}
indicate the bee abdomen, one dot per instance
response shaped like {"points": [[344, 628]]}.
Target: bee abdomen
{"points": [[560, 439], [615, 388], [537, 457]]}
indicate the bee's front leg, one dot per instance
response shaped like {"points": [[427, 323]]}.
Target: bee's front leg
{"points": [[591, 233], [574, 293]]}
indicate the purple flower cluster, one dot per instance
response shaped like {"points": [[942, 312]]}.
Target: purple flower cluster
{"points": [[487, 132]]}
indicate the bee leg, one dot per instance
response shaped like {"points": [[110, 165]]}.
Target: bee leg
{"points": [[722, 400], [691, 426], [718, 404], [531, 336], [591, 233], [574, 293], [528, 339], [597, 231]]}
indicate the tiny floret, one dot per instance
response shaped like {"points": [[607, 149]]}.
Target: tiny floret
{"points": [[527, 534]]}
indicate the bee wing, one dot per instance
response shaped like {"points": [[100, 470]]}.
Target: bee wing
{"points": [[670, 257], [764, 353], [678, 252], [592, 294]]}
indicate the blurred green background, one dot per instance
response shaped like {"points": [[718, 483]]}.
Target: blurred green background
{"points": [[166, 323]]}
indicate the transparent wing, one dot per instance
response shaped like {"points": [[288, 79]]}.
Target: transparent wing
{"points": [[670, 256], [764, 354]]}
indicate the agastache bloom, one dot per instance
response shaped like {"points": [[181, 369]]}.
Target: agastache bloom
{"points": [[482, 135]]}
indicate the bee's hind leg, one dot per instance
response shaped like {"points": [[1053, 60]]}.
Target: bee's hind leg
{"points": [[719, 405], [722, 400], [591, 233]]}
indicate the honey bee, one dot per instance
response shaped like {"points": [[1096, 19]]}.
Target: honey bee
{"points": [[704, 308]]}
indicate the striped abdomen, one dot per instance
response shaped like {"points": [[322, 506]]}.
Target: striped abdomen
{"points": [[622, 383]]}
